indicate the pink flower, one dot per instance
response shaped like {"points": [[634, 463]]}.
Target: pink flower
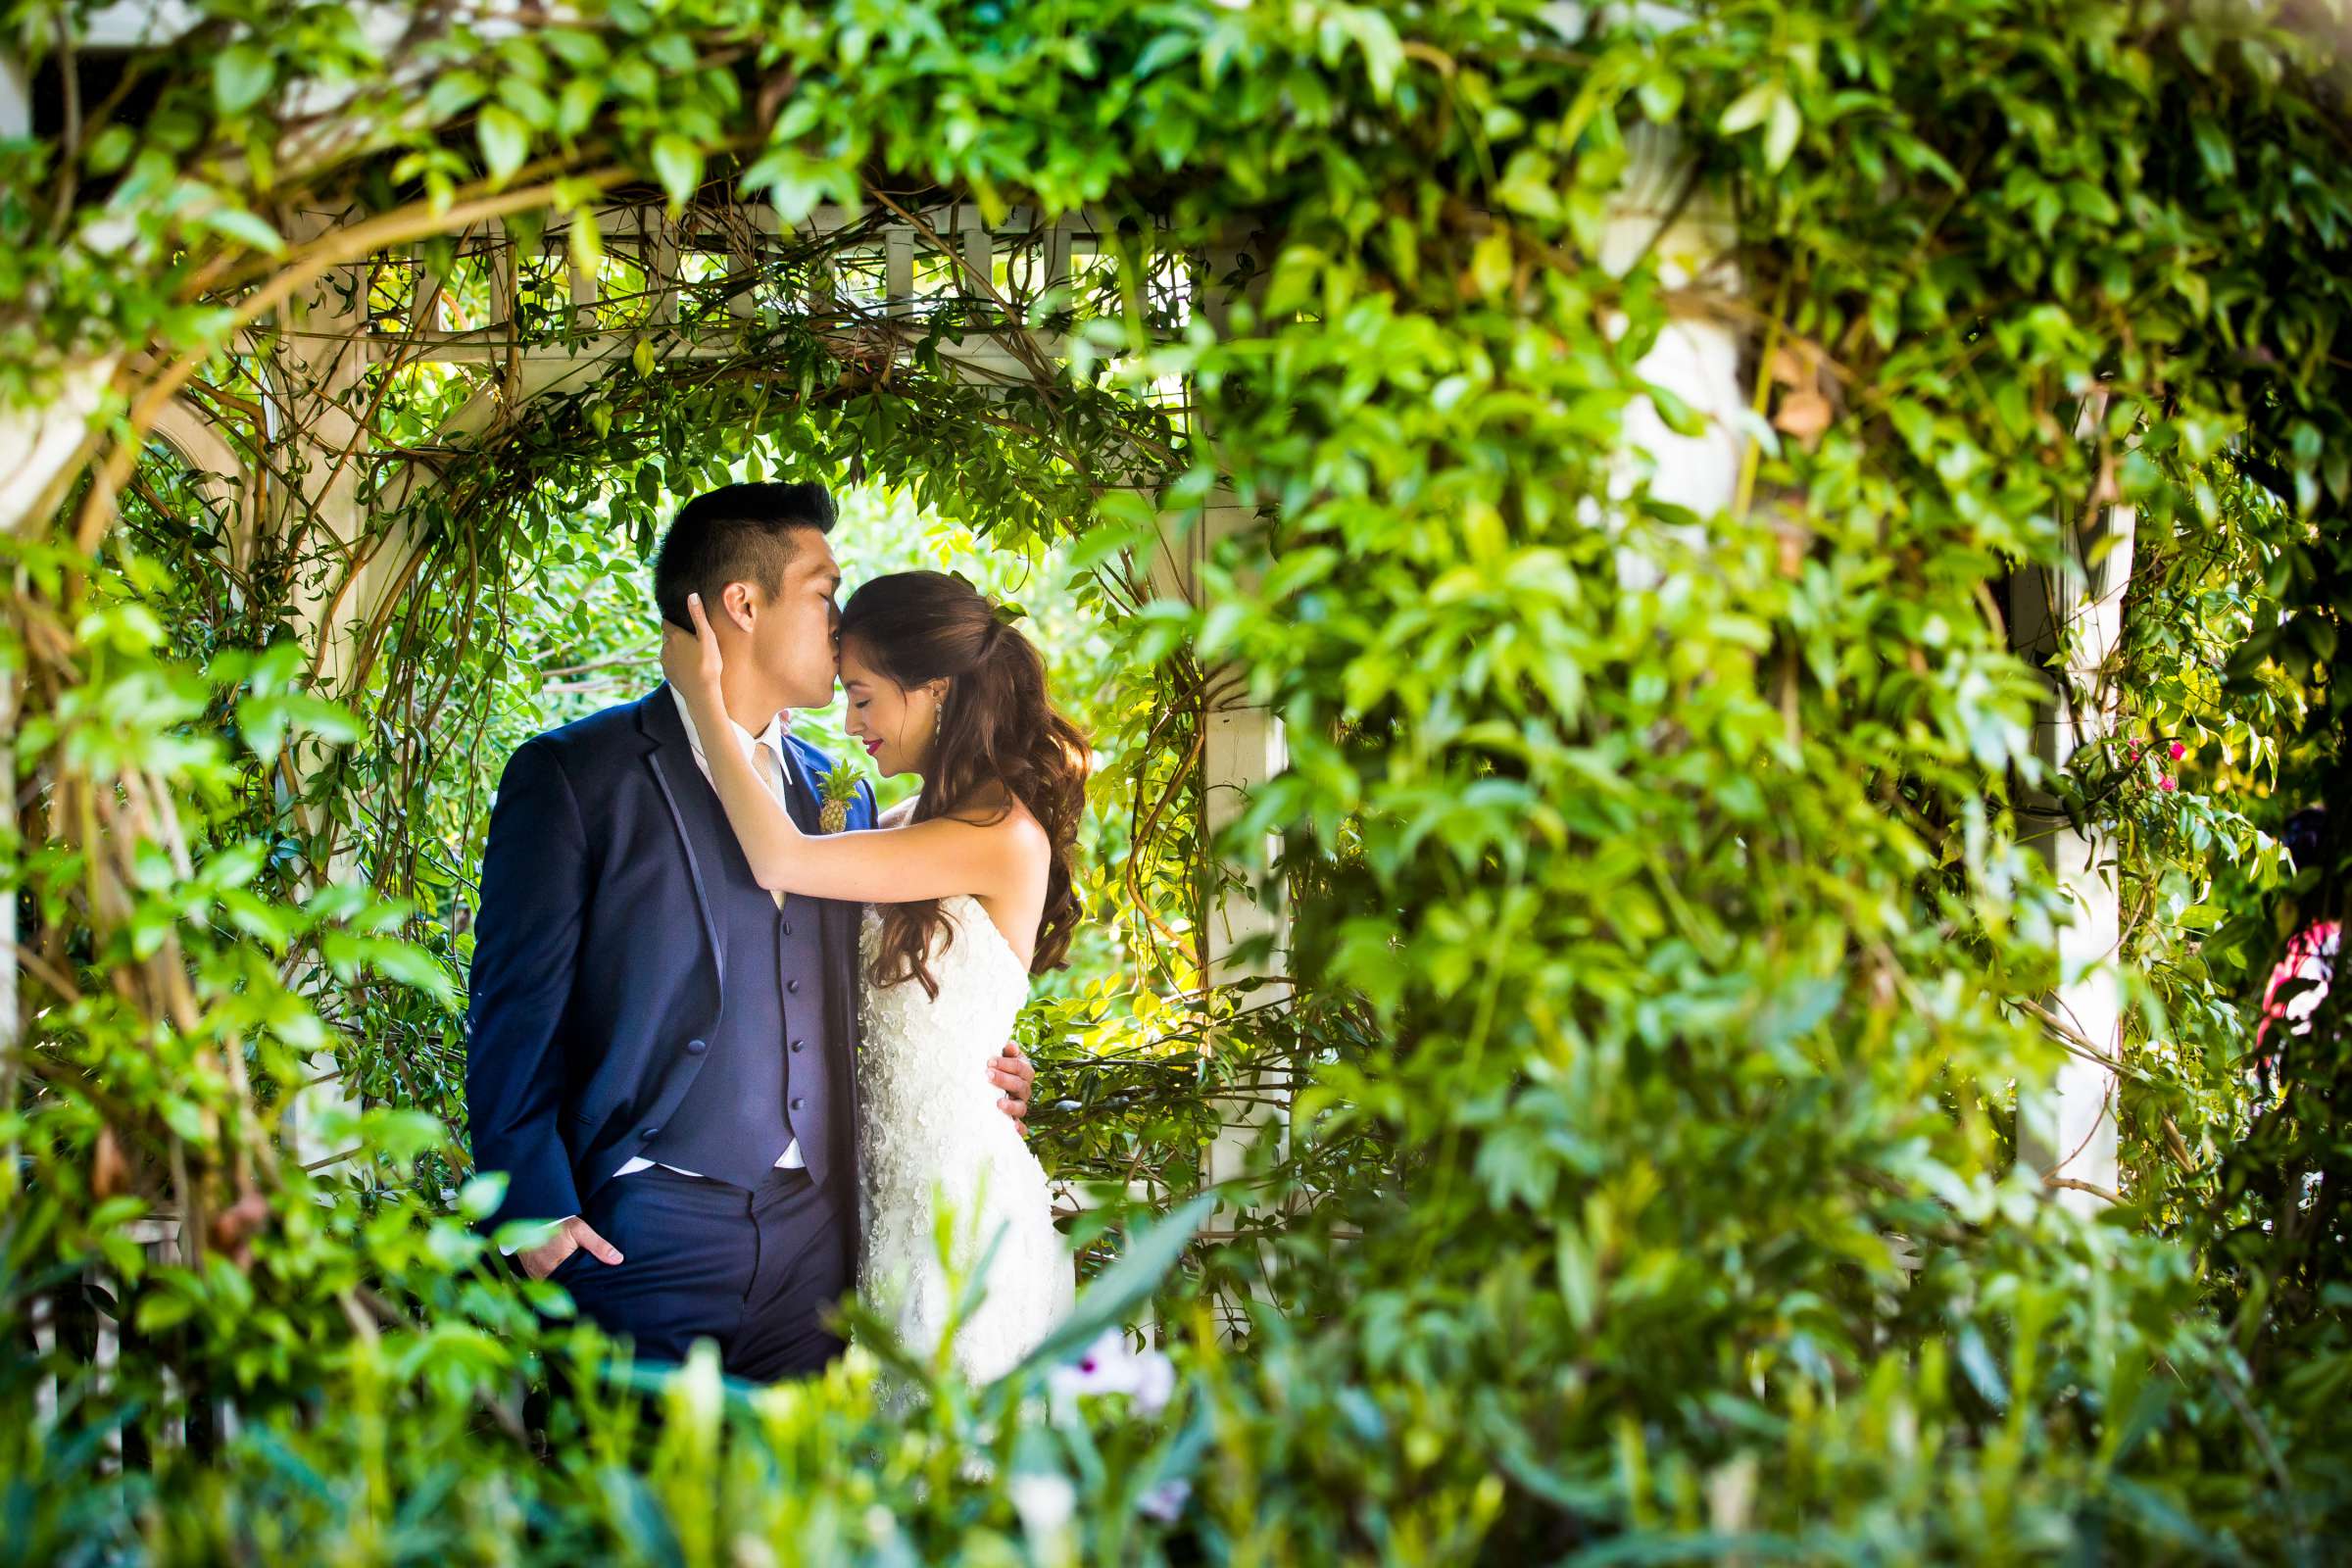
{"points": [[1164, 1501], [2132, 756], [2166, 783], [1110, 1367], [2179, 751]]}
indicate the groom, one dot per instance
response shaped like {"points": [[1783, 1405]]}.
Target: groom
{"points": [[662, 1053]]}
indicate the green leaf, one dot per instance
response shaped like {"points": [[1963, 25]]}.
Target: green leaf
{"points": [[246, 228], [529, 99], [506, 141], [1661, 96], [1748, 110], [413, 965], [577, 104], [1679, 415], [1529, 185], [1782, 126], [242, 74], [481, 1195], [110, 149], [678, 166], [452, 93], [163, 1310]]}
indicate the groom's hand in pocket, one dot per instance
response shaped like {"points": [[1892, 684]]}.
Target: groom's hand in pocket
{"points": [[576, 1235], [1013, 1075]]}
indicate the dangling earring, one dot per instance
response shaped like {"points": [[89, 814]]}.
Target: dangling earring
{"points": [[938, 721]]}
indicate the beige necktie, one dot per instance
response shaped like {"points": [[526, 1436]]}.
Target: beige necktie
{"points": [[770, 767]]}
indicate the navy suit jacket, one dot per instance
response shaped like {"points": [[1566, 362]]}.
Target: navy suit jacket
{"points": [[596, 956]]}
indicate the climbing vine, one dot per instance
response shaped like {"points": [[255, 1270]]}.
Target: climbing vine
{"points": [[1666, 948]]}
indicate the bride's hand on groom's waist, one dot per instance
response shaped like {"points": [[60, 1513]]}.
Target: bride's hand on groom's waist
{"points": [[1013, 1074]]}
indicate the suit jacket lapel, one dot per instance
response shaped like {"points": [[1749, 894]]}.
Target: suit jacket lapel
{"points": [[799, 796], [848, 973], [675, 774]]}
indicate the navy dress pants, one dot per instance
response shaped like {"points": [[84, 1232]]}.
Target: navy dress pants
{"points": [[757, 1272]]}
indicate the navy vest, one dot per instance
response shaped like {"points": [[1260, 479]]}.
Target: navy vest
{"points": [[769, 1059]]}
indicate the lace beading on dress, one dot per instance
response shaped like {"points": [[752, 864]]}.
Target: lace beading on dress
{"points": [[934, 1146]]}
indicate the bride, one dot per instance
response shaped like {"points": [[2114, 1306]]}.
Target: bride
{"points": [[967, 889]]}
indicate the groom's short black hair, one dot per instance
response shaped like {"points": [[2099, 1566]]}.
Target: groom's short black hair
{"points": [[735, 533]]}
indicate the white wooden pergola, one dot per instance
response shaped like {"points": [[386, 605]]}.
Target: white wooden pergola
{"points": [[675, 286], [905, 267], [646, 285]]}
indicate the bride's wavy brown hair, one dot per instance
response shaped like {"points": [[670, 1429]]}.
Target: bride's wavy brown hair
{"points": [[997, 727]]}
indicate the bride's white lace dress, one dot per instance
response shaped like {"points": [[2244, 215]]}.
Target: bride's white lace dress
{"points": [[934, 1143]]}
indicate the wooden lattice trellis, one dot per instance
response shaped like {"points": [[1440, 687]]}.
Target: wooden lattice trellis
{"points": [[505, 317]]}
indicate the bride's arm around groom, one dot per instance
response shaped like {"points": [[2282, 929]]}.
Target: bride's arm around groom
{"points": [[897, 861]]}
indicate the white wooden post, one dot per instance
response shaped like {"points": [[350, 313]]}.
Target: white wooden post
{"points": [[658, 248], [2067, 620], [1058, 260], [744, 257], [38, 441], [505, 276], [1697, 359], [11, 1013], [320, 371], [587, 288], [977, 248], [106, 1353], [43, 1307], [43, 1313], [428, 306], [16, 98], [898, 269], [16, 120], [1243, 748]]}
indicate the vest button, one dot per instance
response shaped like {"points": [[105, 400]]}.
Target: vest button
{"points": [[793, 987], [788, 928], [797, 1104], [650, 1132], [695, 1048], [798, 1045]]}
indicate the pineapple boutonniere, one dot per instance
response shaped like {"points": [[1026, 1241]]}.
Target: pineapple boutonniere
{"points": [[837, 790]]}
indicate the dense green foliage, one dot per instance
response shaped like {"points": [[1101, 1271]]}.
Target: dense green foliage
{"points": [[1662, 928]]}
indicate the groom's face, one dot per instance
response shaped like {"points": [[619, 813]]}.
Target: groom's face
{"points": [[787, 638]]}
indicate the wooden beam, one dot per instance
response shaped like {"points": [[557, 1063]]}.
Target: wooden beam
{"points": [[898, 289], [978, 248], [562, 363], [658, 248], [587, 287]]}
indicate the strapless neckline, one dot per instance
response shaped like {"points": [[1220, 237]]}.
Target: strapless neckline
{"points": [[979, 916]]}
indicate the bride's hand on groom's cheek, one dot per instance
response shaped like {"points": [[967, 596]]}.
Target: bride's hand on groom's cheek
{"points": [[681, 659], [691, 659]]}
